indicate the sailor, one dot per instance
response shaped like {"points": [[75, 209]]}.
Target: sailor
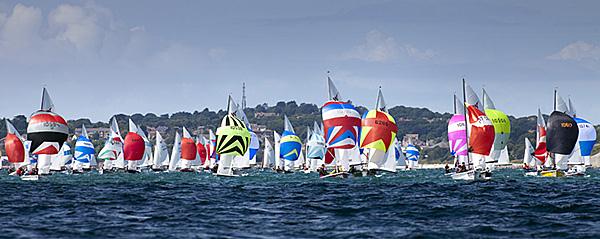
{"points": [[526, 167], [321, 170], [447, 168]]}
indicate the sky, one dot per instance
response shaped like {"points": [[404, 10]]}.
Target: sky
{"points": [[100, 58]]}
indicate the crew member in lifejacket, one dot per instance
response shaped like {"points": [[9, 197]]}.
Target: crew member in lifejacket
{"points": [[321, 170]]}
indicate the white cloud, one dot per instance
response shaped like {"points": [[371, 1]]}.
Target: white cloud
{"points": [[83, 26], [21, 28], [578, 51], [379, 47], [87, 34]]}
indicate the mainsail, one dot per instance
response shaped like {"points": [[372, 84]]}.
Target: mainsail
{"points": [[63, 158], [117, 142], [268, 155], [161, 152], [175, 152], [276, 140], [528, 154]]}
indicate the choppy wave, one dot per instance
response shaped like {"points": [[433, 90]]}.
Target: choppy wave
{"points": [[412, 204]]}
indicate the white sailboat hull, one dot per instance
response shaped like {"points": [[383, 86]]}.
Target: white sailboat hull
{"points": [[472, 175]]}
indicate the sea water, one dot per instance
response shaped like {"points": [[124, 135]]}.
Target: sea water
{"points": [[421, 203]]}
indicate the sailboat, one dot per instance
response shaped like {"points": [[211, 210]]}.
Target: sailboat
{"points": [[233, 139], [401, 161], [480, 139], [268, 155], [62, 159], [116, 144], [580, 157], [540, 153], [201, 146], [134, 148], [161, 154], [188, 152], [278, 160], [341, 122], [47, 131], [501, 123], [412, 156], [561, 138], [175, 153], [315, 148], [377, 138], [457, 134], [107, 155], [290, 145], [147, 160], [529, 161], [211, 149], [14, 146], [84, 153]]}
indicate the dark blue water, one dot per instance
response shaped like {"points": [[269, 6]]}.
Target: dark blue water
{"points": [[265, 205]]}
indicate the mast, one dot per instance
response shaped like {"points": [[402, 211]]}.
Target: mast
{"points": [[466, 121], [244, 95], [43, 96], [554, 99], [378, 98], [454, 102], [483, 96]]}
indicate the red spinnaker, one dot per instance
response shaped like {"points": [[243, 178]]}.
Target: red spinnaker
{"points": [[188, 149], [14, 149], [482, 132], [134, 147], [202, 152]]}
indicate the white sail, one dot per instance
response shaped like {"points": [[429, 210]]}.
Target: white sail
{"points": [[334, 94], [147, 160], [47, 104], [487, 101], [278, 162], [560, 106], [390, 163], [459, 107], [161, 152], [528, 154], [572, 110], [225, 165], [401, 160], [381, 105], [268, 155], [175, 153], [472, 98], [575, 157], [211, 147], [62, 158]]}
